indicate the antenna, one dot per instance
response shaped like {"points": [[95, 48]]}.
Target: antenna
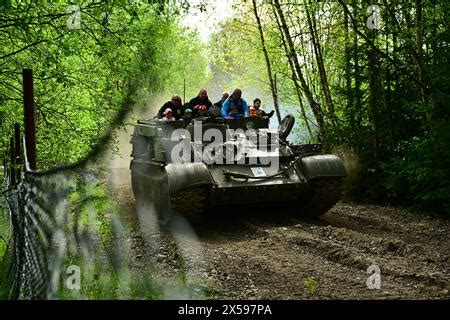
{"points": [[184, 91]]}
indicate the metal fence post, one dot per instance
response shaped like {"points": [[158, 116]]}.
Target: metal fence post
{"points": [[29, 118], [12, 172], [5, 168], [17, 153]]}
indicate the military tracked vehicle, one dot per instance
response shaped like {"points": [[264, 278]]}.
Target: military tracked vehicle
{"points": [[229, 162]]}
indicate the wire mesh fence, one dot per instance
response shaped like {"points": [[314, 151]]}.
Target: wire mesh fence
{"points": [[32, 225], [47, 223], [41, 228], [62, 220]]}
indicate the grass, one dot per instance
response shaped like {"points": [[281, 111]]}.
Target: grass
{"points": [[311, 286], [99, 278], [4, 288], [90, 214], [4, 228], [99, 282], [2, 250]]}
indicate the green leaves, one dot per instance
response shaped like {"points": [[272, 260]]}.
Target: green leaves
{"points": [[419, 170], [82, 75]]}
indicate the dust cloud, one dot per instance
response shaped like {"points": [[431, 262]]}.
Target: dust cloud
{"points": [[352, 165], [183, 237]]}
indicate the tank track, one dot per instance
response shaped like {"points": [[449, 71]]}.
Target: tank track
{"points": [[190, 203], [325, 193]]}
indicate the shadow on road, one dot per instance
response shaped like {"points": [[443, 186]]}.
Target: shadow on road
{"points": [[241, 221]]}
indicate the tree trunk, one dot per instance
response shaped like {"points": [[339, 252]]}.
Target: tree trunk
{"points": [[348, 77], [388, 105], [375, 97], [357, 94], [294, 77], [273, 88], [418, 58], [315, 107], [320, 65]]}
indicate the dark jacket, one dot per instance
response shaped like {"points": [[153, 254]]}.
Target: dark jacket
{"points": [[174, 108], [219, 103], [196, 102], [262, 113], [187, 121]]}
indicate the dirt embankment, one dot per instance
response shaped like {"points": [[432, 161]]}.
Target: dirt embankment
{"points": [[272, 253]]}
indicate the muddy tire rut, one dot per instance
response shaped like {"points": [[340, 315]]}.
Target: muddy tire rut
{"points": [[271, 252], [277, 259]]}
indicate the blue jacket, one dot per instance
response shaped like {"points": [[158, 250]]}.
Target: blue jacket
{"points": [[230, 104]]}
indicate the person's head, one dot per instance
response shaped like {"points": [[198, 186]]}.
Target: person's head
{"points": [[225, 96], [188, 113], [176, 100], [203, 94], [168, 113], [202, 111], [237, 94], [257, 103]]}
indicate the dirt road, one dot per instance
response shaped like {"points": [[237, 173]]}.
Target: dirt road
{"points": [[272, 253]]}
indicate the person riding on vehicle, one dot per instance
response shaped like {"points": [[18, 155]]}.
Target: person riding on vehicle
{"points": [[187, 118], [235, 107], [261, 113], [201, 99], [202, 111], [219, 103], [217, 107], [168, 116], [175, 104]]}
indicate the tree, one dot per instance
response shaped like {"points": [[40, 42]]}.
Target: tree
{"points": [[292, 55], [381, 87], [320, 64], [84, 67], [273, 88]]}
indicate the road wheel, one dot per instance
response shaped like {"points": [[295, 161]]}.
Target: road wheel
{"points": [[324, 194]]}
